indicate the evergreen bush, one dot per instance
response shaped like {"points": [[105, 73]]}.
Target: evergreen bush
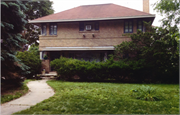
{"points": [[31, 59]]}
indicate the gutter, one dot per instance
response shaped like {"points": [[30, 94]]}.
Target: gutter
{"points": [[76, 48], [126, 17]]}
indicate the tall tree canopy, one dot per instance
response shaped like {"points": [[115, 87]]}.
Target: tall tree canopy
{"points": [[15, 15], [170, 9], [12, 24], [35, 9]]}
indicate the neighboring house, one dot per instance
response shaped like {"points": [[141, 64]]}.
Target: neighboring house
{"points": [[89, 32]]}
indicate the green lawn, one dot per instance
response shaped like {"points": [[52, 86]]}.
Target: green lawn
{"points": [[105, 98], [15, 92]]}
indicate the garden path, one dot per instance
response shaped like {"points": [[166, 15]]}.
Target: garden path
{"points": [[39, 90]]}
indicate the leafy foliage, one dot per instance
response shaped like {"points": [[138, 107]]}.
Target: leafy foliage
{"points": [[31, 59], [34, 49], [171, 10], [130, 71], [159, 50], [11, 40], [36, 9]]}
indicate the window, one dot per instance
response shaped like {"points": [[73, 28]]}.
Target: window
{"points": [[88, 26], [128, 26], [43, 29], [53, 29], [96, 26], [140, 25], [81, 26]]}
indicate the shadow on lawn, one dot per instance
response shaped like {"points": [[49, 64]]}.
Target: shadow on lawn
{"points": [[10, 85], [119, 80], [105, 81]]}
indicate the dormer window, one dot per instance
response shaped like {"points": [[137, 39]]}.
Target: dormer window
{"points": [[53, 29], [128, 26], [88, 26], [43, 29]]}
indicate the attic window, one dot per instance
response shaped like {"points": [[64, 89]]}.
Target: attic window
{"points": [[53, 29], [128, 26], [88, 26]]}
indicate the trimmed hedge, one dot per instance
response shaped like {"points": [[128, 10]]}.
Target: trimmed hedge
{"points": [[67, 68], [128, 71]]}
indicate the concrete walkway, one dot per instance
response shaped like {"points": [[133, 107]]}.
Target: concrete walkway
{"points": [[38, 91]]}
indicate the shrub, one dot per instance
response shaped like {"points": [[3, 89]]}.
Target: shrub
{"points": [[31, 60], [122, 70], [45, 57], [67, 68]]}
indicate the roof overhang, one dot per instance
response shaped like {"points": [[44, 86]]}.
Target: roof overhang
{"points": [[111, 18], [76, 48]]}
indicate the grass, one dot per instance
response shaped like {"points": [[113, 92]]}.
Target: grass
{"points": [[15, 93], [105, 98]]}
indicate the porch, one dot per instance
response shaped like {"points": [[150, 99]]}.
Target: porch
{"points": [[90, 55]]}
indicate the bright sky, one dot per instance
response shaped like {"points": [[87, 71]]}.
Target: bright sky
{"points": [[61, 5]]}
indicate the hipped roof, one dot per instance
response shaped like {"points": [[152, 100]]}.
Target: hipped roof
{"points": [[94, 12]]}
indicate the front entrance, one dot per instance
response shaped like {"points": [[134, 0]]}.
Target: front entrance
{"points": [[54, 55]]}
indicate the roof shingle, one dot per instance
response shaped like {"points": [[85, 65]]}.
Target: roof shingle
{"points": [[93, 12]]}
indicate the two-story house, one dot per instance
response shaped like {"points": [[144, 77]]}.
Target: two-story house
{"points": [[88, 32]]}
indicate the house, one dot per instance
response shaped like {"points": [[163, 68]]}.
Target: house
{"points": [[89, 32]]}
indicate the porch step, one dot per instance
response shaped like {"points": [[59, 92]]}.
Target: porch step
{"points": [[48, 78], [50, 75]]}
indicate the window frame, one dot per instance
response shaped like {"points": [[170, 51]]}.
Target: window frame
{"points": [[142, 25], [94, 26], [128, 21], [43, 30], [52, 32], [81, 26]]}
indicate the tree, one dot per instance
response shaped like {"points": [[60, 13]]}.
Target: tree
{"points": [[12, 24], [158, 48], [171, 10], [36, 9]]}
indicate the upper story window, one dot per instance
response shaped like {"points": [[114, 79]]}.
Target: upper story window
{"points": [[88, 26], [128, 26], [53, 29], [140, 25], [43, 29]]}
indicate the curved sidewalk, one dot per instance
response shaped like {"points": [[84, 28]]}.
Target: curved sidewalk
{"points": [[38, 91]]}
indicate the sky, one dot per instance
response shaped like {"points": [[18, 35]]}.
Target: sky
{"points": [[61, 5]]}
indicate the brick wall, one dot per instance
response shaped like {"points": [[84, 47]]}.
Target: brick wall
{"points": [[68, 35], [146, 6], [46, 65]]}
